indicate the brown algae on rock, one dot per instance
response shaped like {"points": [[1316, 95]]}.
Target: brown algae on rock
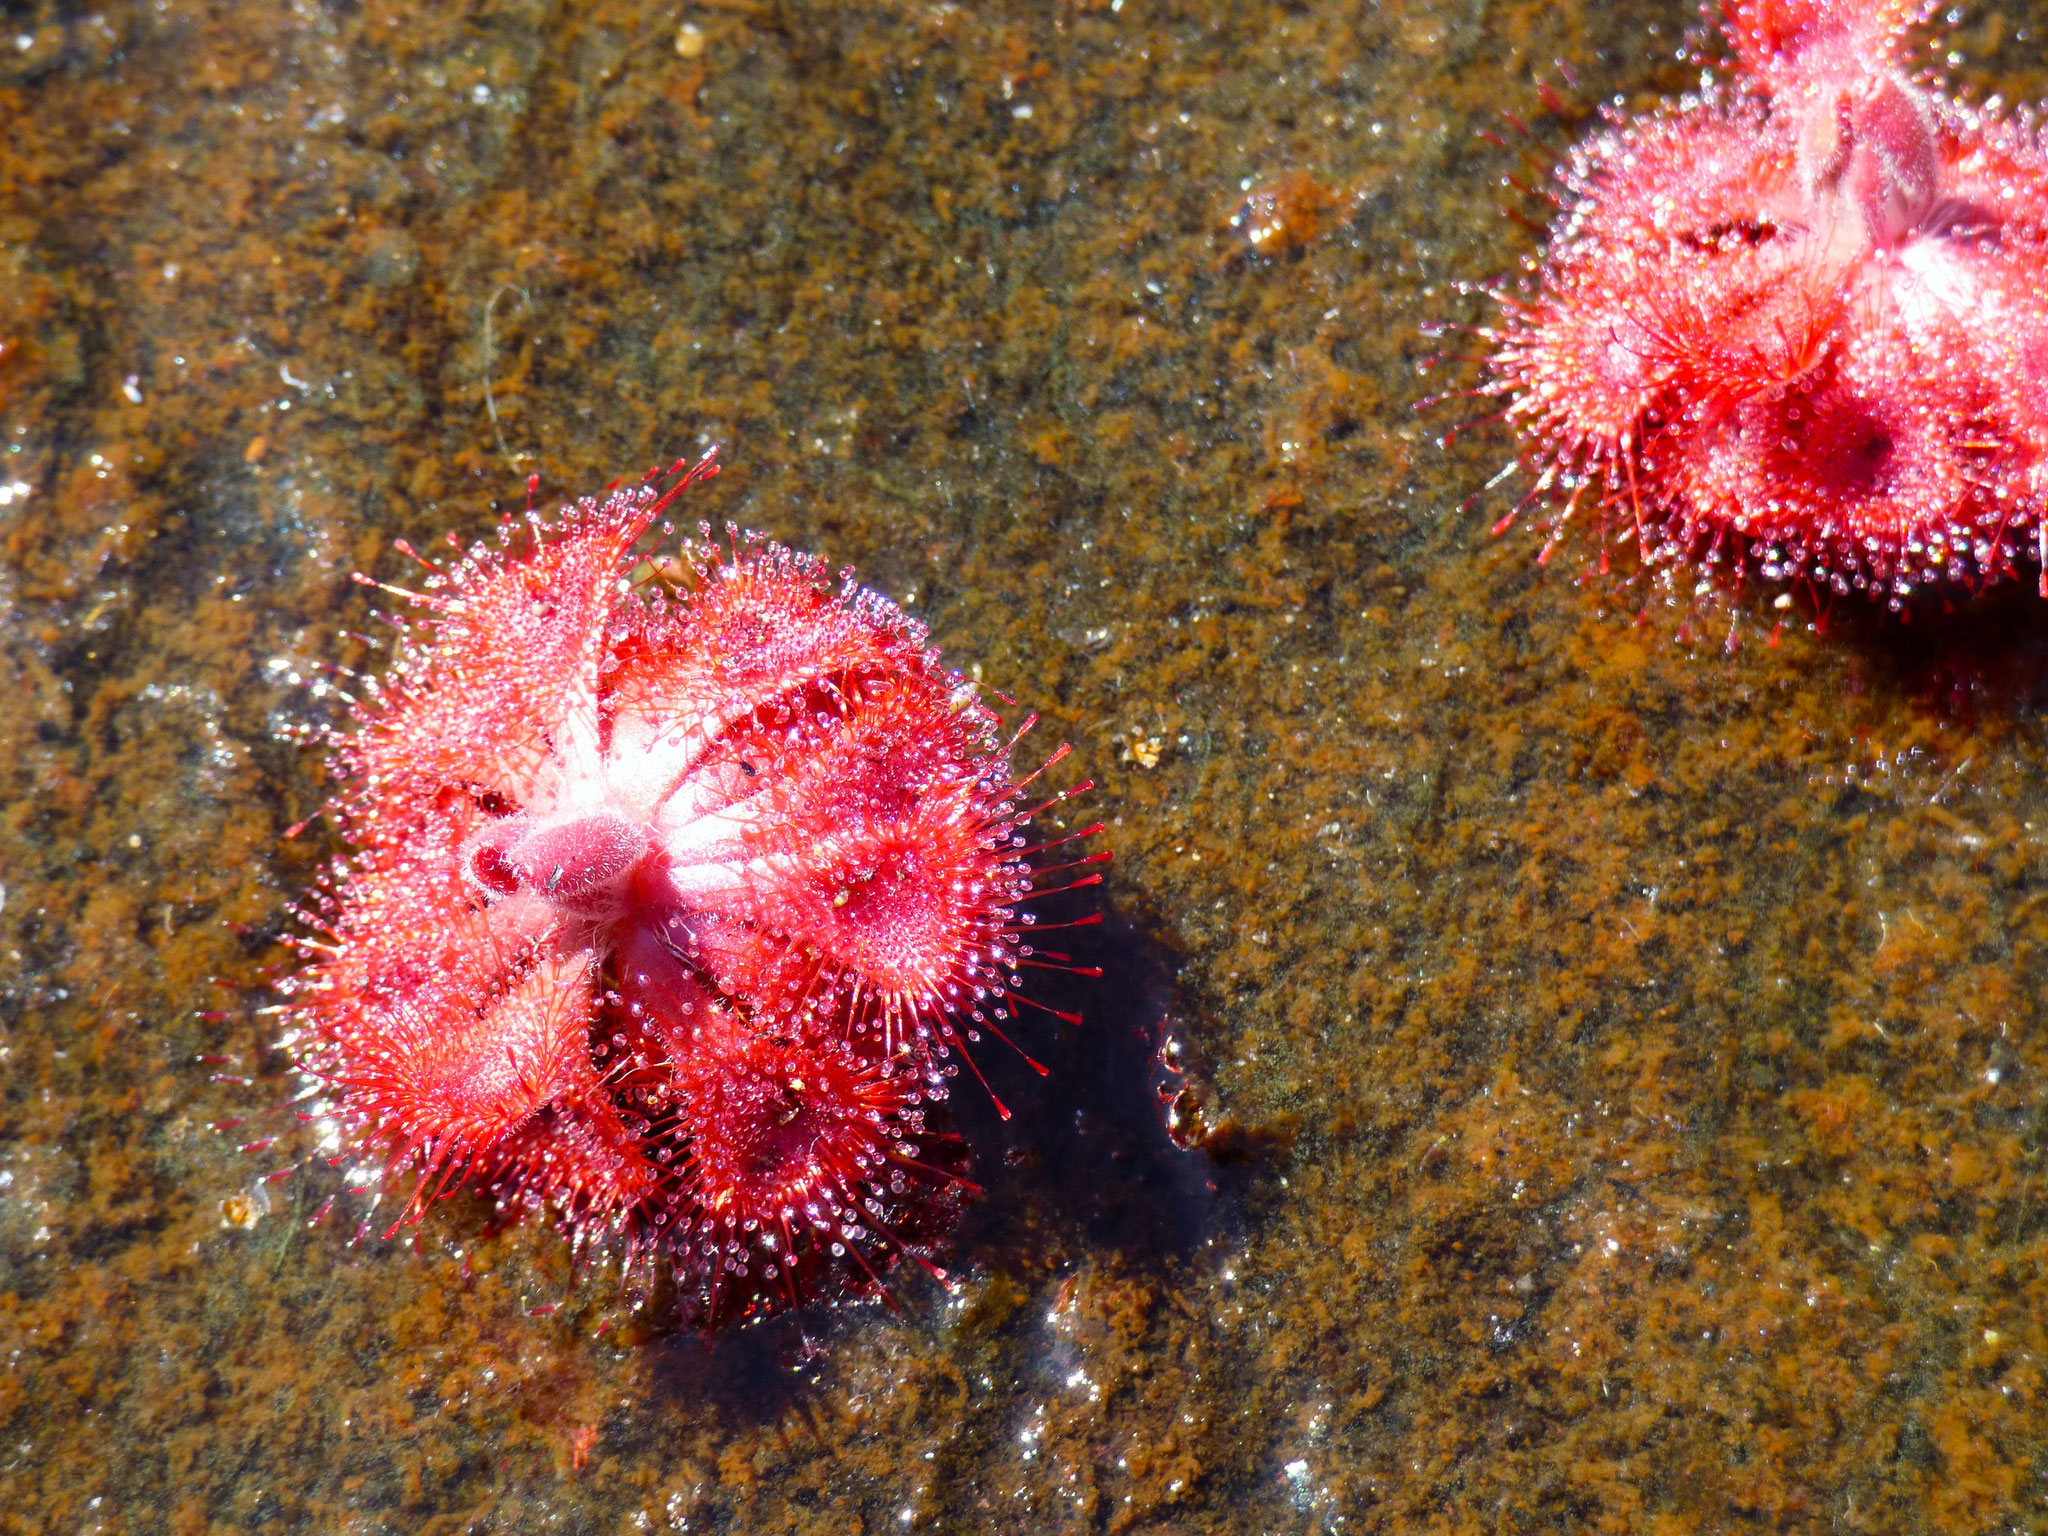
{"points": [[1649, 1033]]}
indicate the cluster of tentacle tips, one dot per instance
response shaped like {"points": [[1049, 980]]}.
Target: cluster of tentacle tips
{"points": [[677, 889], [1796, 323]]}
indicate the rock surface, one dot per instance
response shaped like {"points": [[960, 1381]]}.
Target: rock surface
{"points": [[1615, 1070]]}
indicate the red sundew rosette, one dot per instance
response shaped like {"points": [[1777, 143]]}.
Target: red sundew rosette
{"points": [[1785, 44], [1845, 459], [668, 910], [1801, 322], [1630, 327], [1997, 175]]}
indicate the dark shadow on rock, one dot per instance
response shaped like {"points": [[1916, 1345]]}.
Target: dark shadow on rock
{"points": [[1083, 1165], [1963, 656]]}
